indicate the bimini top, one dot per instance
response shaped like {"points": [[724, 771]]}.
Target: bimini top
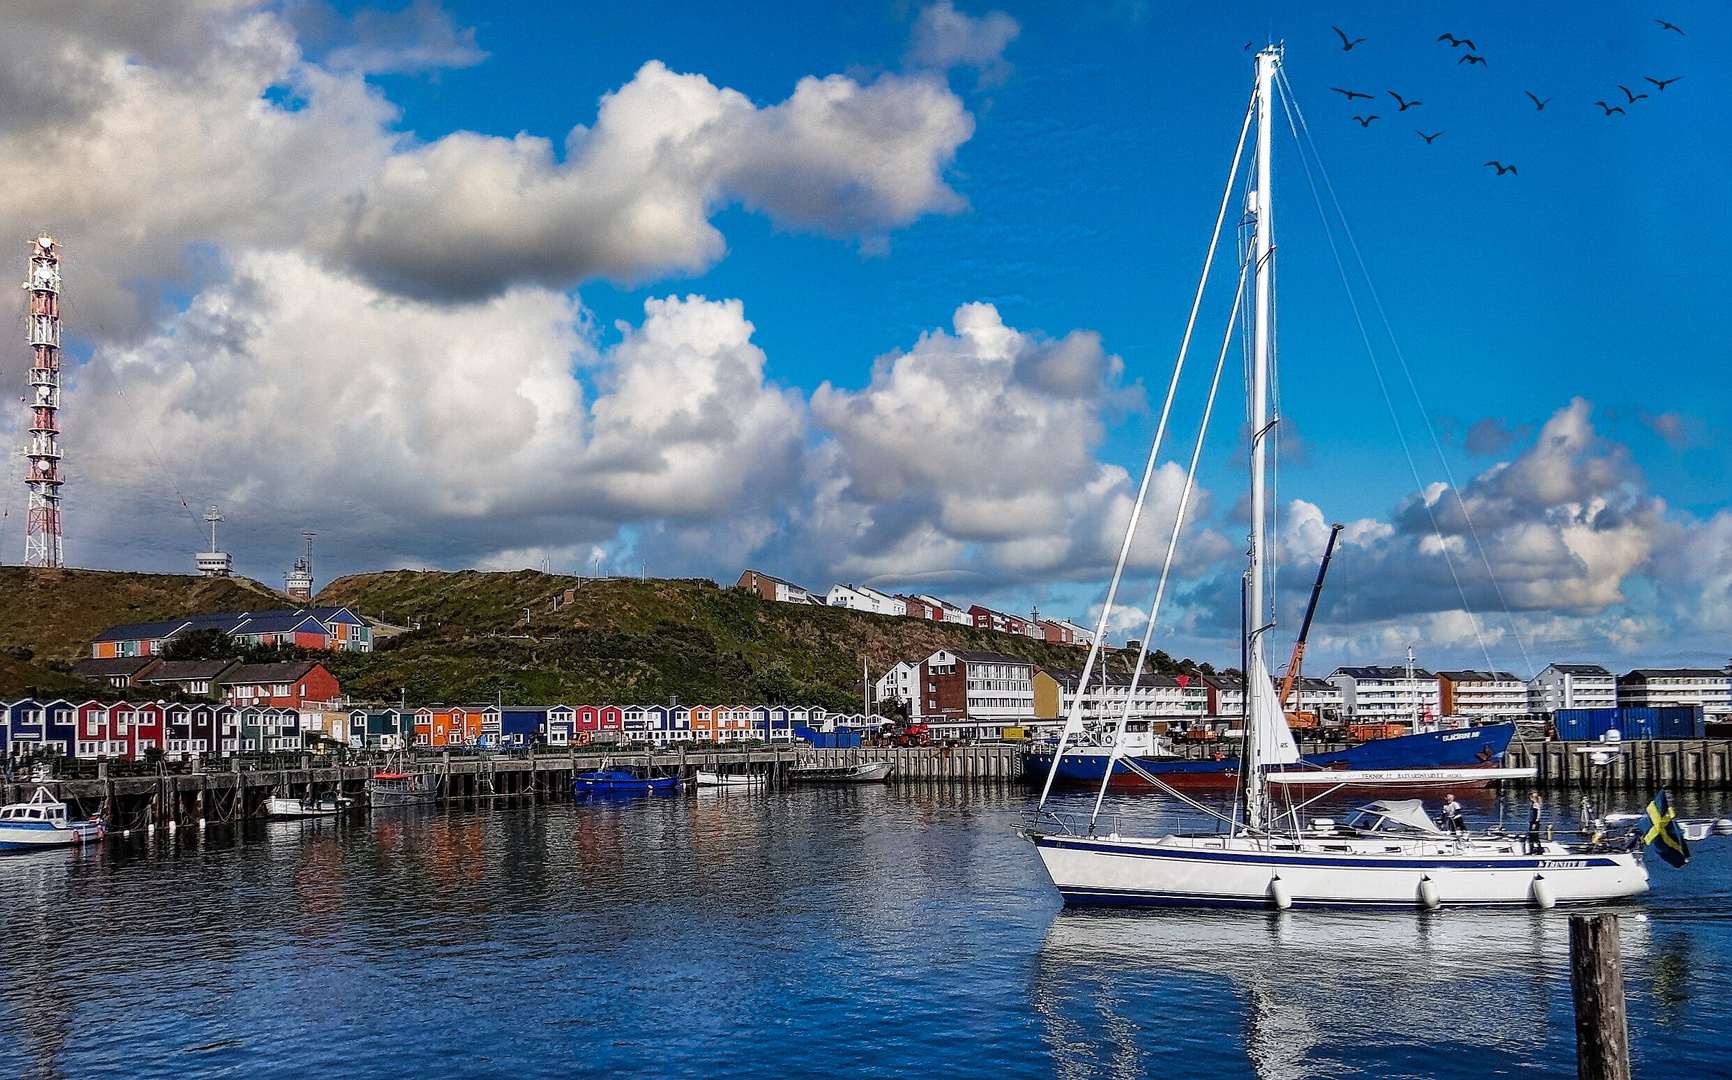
{"points": [[1409, 813]]}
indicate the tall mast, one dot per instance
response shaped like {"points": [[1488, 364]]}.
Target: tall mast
{"points": [[42, 544], [1258, 208]]}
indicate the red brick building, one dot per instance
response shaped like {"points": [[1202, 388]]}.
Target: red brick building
{"points": [[280, 686]]}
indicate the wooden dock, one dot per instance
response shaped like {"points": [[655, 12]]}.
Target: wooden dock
{"points": [[233, 790]]}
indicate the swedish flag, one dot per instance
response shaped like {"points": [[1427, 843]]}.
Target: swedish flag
{"points": [[1663, 831]]}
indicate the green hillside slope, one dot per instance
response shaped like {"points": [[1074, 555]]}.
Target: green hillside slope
{"points": [[522, 636], [621, 640]]}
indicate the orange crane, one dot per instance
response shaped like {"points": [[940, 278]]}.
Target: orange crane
{"points": [[1291, 682]]}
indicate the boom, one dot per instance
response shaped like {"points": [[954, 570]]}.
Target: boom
{"points": [[1292, 680]]}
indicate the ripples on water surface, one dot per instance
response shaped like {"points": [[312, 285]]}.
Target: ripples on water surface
{"points": [[842, 932]]}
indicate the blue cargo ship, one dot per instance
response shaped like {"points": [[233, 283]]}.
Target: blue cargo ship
{"points": [[1466, 748]]}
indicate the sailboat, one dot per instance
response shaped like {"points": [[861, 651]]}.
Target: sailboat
{"points": [[1392, 854]]}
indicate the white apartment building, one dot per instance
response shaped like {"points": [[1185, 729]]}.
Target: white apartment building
{"points": [[1572, 686], [1707, 687], [900, 683], [1319, 697], [952, 613], [975, 693], [1226, 696], [1158, 697], [774, 588], [1387, 694], [1481, 695], [860, 598]]}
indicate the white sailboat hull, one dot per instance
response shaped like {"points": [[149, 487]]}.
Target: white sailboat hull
{"points": [[1220, 871]]}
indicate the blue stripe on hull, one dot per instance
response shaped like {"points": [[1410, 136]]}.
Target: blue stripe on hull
{"points": [[1074, 897], [1283, 858]]}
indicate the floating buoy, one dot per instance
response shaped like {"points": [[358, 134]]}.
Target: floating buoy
{"points": [[1541, 893], [1723, 826], [1280, 897], [1428, 897]]}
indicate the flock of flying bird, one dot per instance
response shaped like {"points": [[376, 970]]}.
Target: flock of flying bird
{"points": [[1470, 58]]}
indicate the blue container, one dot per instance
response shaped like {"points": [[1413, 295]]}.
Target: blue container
{"points": [[1583, 724], [1680, 722], [1632, 722]]}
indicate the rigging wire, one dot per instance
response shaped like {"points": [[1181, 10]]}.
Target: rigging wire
{"points": [[1114, 755], [1412, 384], [1289, 106], [1073, 721]]}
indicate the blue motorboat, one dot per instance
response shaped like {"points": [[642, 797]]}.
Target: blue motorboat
{"points": [[43, 823], [613, 779]]}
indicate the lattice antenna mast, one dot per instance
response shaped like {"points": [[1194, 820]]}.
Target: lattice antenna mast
{"points": [[42, 533]]}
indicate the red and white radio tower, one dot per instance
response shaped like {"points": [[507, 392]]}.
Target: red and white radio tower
{"points": [[42, 533]]}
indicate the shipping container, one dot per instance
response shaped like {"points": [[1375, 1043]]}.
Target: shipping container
{"points": [[1632, 722]]}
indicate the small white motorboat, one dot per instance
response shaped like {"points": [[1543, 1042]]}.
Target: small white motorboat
{"points": [[867, 772], [42, 823], [708, 778], [280, 806]]}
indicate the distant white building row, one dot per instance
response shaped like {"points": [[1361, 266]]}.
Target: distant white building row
{"points": [[962, 692], [1401, 693], [917, 606]]}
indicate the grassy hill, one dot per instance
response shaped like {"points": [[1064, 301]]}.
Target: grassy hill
{"points": [[622, 640], [615, 640], [47, 617]]}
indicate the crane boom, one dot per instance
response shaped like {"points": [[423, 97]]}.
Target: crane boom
{"points": [[1292, 679]]}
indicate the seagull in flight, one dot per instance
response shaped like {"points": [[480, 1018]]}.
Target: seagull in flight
{"points": [[1426, 137], [1661, 84], [1631, 96], [1538, 104], [1350, 94], [1664, 25], [1610, 109], [1501, 169], [1346, 45], [1399, 100], [1470, 60], [1455, 41], [1365, 121]]}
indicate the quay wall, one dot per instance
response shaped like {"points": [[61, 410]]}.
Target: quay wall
{"points": [[1643, 765]]}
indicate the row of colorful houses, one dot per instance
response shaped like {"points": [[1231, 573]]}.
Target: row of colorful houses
{"points": [[180, 731], [917, 606], [326, 628], [130, 730]]}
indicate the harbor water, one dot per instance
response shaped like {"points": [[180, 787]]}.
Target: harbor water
{"points": [[900, 931]]}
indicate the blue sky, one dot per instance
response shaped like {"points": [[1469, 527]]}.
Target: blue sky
{"points": [[1067, 179]]}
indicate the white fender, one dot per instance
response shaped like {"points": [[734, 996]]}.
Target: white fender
{"points": [[1541, 893], [1280, 897], [1428, 896], [173, 825]]}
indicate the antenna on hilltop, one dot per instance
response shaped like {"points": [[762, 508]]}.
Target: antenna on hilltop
{"points": [[42, 537], [298, 582], [215, 562]]}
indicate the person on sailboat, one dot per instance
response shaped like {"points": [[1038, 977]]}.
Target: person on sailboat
{"points": [[1452, 815], [1534, 813]]}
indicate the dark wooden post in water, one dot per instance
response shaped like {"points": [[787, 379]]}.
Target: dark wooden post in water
{"points": [[1597, 981]]}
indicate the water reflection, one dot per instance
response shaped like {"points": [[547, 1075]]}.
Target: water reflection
{"points": [[1315, 987]]}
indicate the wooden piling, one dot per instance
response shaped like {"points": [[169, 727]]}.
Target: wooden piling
{"points": [[1597, 983]]}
